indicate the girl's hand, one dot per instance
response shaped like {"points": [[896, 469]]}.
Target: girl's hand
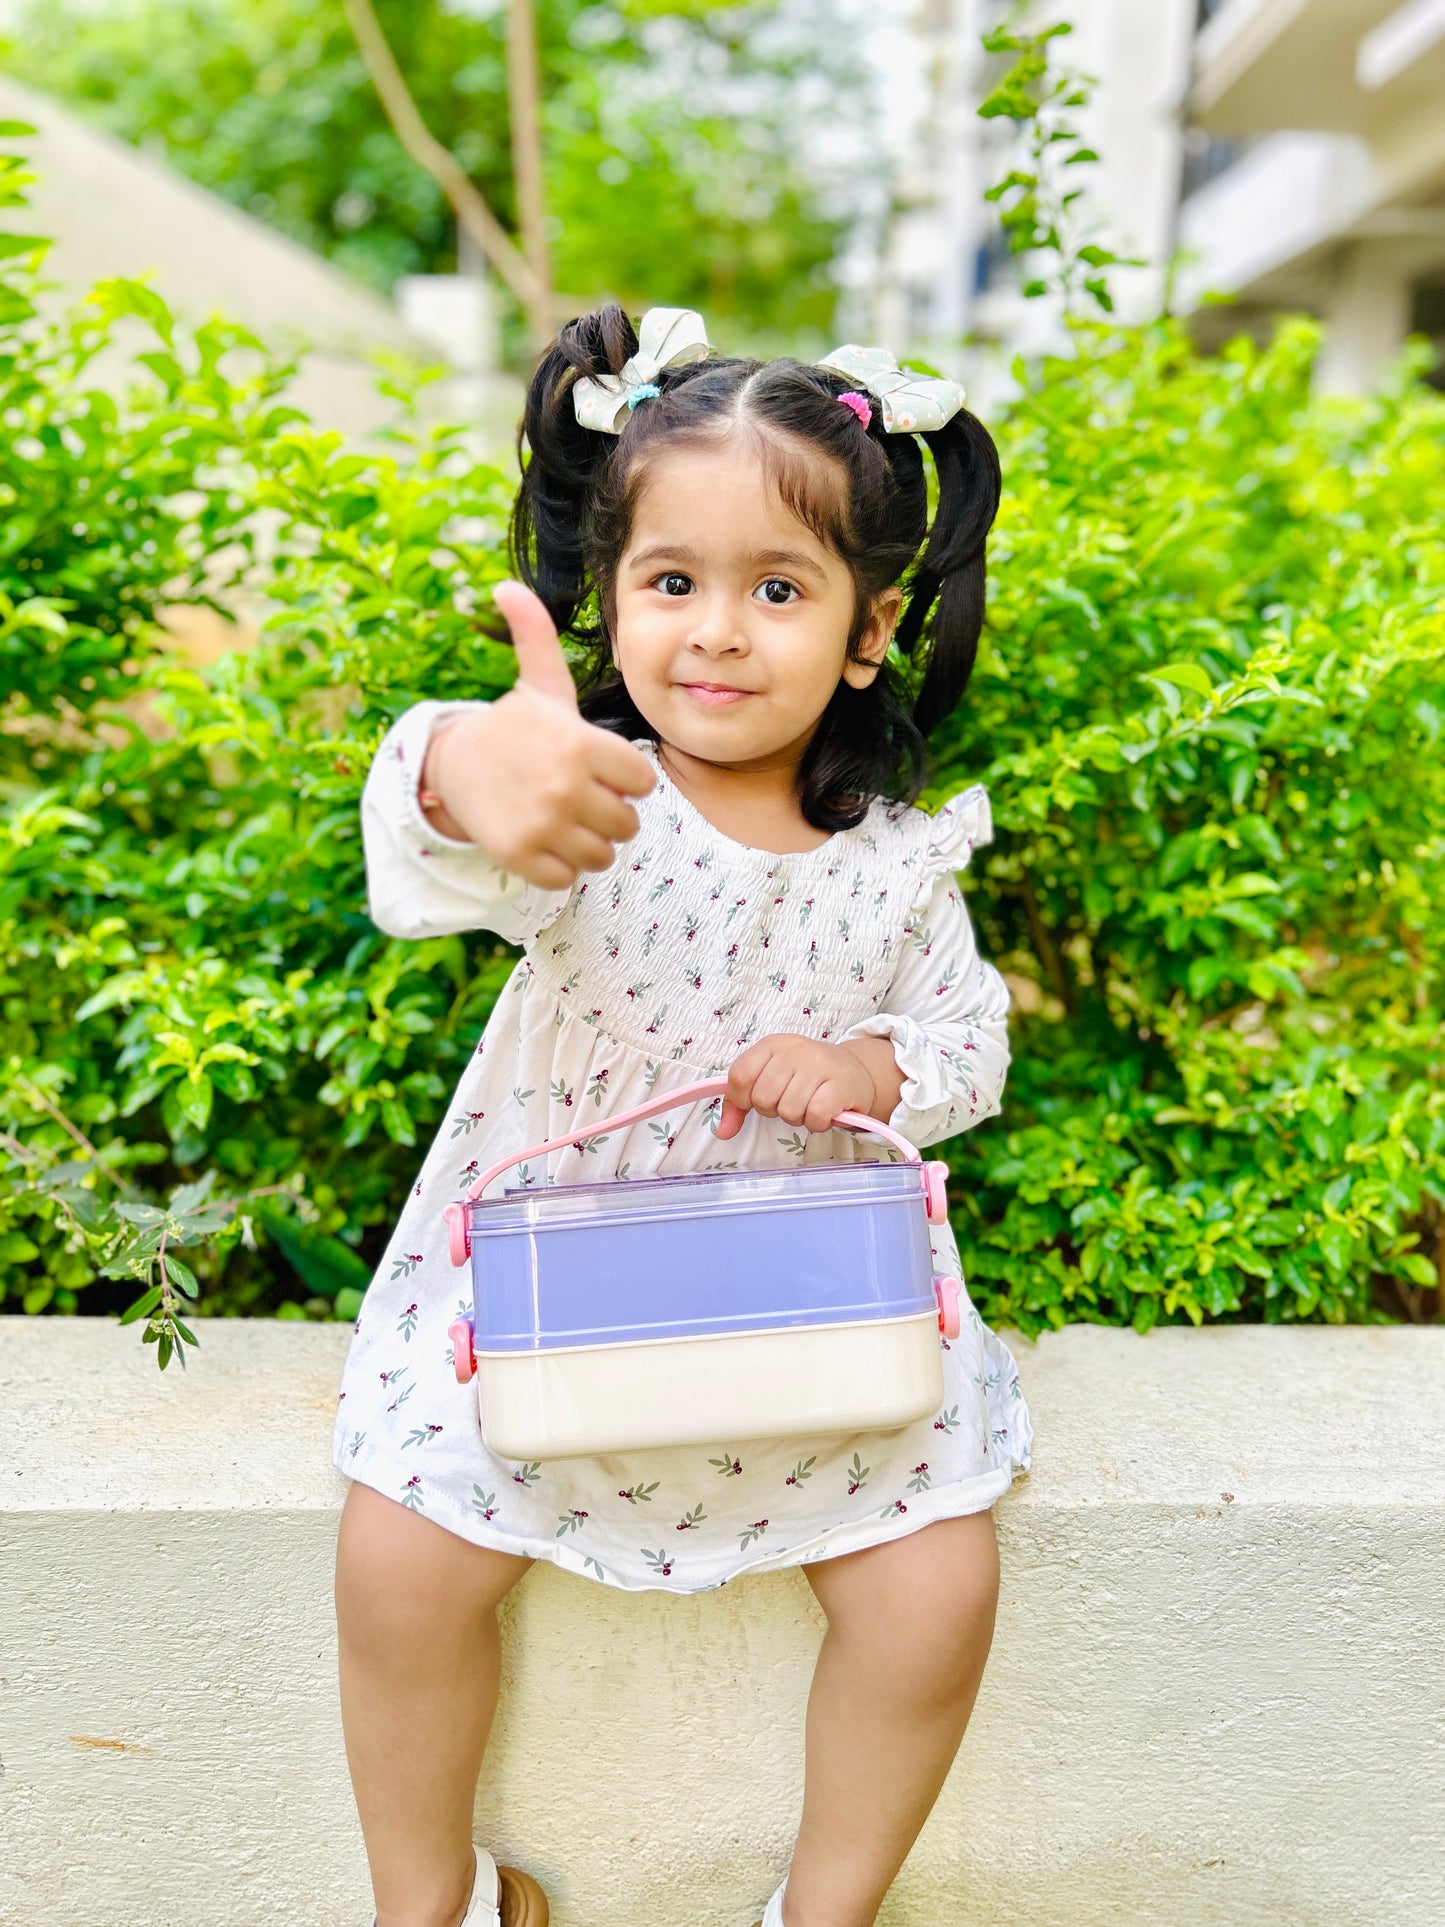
{"points": [[803, 1081], [526, 780]]}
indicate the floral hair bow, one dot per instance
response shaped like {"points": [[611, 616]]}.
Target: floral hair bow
{"points": [[667, 338], [912, 403]]}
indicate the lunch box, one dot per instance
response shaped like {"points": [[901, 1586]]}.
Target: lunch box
{"points": [[702, 1308]]}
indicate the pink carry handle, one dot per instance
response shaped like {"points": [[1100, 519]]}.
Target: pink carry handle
{"points": [[934, 1172]]}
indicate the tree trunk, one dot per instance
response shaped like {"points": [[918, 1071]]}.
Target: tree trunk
{"points": [[524, 94], [467, 202]]}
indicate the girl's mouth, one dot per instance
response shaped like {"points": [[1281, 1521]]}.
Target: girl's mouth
{"points": [[714, 694]]}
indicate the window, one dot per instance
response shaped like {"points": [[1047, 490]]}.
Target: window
{"points": [[1206, 157]]}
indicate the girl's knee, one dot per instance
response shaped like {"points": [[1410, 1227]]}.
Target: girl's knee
{"points": [[402, 1577], [927, 1597]]}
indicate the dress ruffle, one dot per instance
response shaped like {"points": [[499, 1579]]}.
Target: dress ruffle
{"points": [[948, 838]]}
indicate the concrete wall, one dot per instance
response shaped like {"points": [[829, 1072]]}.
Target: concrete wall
{"points": [[1216, 1699], [113, 210]]}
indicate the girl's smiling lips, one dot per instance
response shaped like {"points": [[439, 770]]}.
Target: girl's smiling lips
{"points": [[714, 694]]}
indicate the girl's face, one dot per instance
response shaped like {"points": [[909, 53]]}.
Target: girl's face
{"points": [[732, 618]]}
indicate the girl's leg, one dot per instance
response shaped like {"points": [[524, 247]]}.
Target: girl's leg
{"points": [[419, 1657], [909, 1628]]}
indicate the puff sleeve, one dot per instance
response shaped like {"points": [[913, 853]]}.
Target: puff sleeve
{"points": [[420, 883], [945, 1010]]}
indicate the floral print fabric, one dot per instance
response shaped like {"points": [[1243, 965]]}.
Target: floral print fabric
{"points": [[658, 972]]}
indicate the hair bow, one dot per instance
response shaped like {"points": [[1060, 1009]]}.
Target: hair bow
{"points": [[667, 338], [911, 403]]}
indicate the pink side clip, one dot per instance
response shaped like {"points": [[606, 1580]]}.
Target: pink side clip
{"points": [[946, 1291], [464, 1361], [935, 1190], [459, 1243]]}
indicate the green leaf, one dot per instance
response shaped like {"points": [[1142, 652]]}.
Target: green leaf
{"points": [[1337, 1245], [142, 1307], [181, 1276], [117, 990], [188, 1198], [1184, 675], [194, 1096], [325, 1265]]}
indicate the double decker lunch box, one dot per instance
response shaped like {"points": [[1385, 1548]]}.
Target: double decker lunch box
{"points": [[705, 1307]]}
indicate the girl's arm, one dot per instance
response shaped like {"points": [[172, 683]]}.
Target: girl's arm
{"points": [[945, 1013], [523, 795], [931, 1062], [419, 881]]}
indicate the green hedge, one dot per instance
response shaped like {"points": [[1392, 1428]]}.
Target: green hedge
{"points": [[1208, 713], [1211, 714]]}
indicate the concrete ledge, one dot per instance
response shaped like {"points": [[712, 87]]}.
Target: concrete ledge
{"points": [[1216, 1698]]}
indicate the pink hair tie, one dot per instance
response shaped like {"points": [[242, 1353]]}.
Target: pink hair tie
{"points": [[860, 405]]}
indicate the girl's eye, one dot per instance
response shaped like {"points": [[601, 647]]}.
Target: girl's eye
{"points": [[671, 580], [777, 582]]}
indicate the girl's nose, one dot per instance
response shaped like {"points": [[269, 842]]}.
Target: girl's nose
{"points": [[718, 629]]}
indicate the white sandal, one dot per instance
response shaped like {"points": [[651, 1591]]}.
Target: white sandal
{"points": [[502, 1897], [486, 1907], [772, 1913]]}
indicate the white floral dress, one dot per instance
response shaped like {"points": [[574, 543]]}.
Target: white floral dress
{"points": [[660, 971]]}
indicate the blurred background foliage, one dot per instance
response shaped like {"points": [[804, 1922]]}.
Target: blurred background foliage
{"points": [[676, 138], [1209, 710]]}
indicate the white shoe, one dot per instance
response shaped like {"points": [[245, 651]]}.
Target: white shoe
{"points": [[525, 1902], [773, 1912], [486, 1907]]}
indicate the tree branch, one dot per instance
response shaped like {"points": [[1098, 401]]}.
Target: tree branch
{"points": [[37, 1096], [1045, 947], [524, 96], [446, 170]]}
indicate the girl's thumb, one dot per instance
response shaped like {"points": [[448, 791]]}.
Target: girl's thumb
{"points": [[540, 662]]}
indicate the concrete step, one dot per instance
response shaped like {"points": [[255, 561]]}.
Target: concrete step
{"points": [[1216, 1697]]}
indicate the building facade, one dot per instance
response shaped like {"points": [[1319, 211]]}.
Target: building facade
{"points": [[1315, 177], [1288, 155]]}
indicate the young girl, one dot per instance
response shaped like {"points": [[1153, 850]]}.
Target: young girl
{"points": [[706, 876]]}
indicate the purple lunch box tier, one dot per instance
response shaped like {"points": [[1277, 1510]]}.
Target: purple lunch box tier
{"points": [[699, 1255]]}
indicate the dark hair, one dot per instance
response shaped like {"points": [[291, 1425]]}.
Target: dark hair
{"points": [[580, 487]]}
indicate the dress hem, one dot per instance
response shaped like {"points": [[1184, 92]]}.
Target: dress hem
{"points": [[956, 1500]]}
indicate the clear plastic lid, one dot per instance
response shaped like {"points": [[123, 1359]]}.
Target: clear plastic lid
{"points": [[695, 1193]]}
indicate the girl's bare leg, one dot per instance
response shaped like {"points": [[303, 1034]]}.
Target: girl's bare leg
{"points": [[419, 1657], [909, 1628]]}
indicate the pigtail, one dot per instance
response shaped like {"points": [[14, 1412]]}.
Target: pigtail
{"points": [[951, 568], [549, 517]]}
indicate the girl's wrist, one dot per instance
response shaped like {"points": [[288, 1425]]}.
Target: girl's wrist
{"points": [[875, 1057], [429, 793]]}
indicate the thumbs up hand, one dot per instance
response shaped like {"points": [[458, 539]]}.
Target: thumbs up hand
{"points": [[526, 779]]}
